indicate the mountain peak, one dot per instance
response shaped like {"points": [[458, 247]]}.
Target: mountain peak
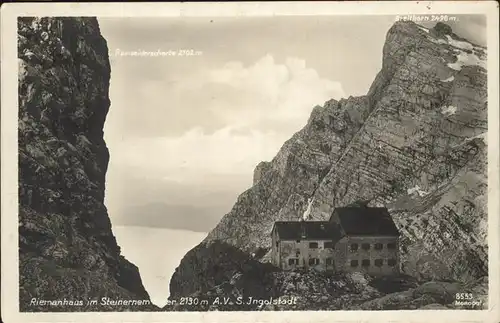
{"points": [[442, 29]]}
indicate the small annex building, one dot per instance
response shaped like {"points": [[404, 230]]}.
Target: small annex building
{"points": [[355, 238]]}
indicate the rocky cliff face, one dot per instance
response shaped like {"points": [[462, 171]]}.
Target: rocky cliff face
{"points": [[415, 143], [67, 251]]}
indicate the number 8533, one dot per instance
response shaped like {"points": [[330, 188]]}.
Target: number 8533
{"points": [[463, 296]]}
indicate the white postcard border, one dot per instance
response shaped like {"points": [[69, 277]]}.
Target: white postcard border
{"points": [[9, 150]]}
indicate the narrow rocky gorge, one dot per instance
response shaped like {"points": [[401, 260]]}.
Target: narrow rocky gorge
{"points": [[416, 143], [67, 250]]}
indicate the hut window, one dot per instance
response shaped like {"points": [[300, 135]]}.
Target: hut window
{"points": [[313, 261], [329, 244]]}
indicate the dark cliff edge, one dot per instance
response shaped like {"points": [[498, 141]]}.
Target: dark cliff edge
{"points": [[67, 252], [415, 143]]}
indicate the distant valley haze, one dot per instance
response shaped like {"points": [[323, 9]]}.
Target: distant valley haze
{"points": [[173, 216]]}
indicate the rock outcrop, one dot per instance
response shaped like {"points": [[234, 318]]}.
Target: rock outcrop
{"points": [[67, 251], [415, 143], [218, 269]]}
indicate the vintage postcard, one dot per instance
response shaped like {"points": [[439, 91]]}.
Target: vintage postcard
{"points": [[250, 162]]}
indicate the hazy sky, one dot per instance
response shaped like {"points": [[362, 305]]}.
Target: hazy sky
{"points": [[185, 133]]}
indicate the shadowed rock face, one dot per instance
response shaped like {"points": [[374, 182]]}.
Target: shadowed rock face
{"points": [[218, 269], [66, 247], [415, 143]]}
